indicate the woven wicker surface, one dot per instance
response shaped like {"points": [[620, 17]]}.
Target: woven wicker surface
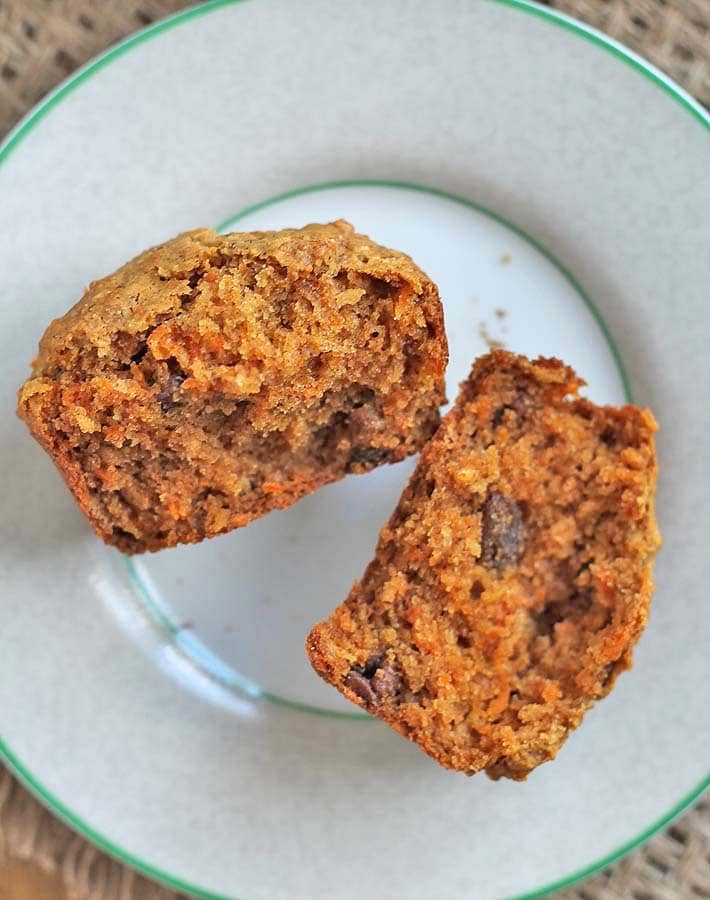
{"points": [[41, 42]]}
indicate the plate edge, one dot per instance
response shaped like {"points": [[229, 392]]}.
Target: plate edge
{"points": [[49, 102]]}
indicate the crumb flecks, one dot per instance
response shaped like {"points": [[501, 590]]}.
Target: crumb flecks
{"points": [[521, 551], [217, 377], [491, 342], [506, 259]]}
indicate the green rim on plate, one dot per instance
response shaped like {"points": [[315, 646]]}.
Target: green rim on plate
{"points": [[21, 131]]}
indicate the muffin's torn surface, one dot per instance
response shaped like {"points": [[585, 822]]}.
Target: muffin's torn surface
{"points": [[513, 578], [217, 377]]}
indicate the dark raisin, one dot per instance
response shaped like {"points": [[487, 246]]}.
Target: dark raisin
{"points": [[520, 406], [166, 396], [368, 456], [374, 681], [503, 532], [360, 686], [386, 682]]}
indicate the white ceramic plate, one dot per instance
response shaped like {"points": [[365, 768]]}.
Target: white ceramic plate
{"points": [[556, 187]]}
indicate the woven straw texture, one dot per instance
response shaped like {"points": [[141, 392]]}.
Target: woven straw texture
{"points": [[41, 42]]}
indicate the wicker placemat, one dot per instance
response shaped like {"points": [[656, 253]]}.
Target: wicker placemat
{"points": [[41, 42]]}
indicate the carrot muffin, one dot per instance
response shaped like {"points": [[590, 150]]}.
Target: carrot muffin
{"points": [[513, 578], [217, 377]]}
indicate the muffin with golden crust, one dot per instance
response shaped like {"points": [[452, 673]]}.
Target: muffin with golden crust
{"points": [[217, 377]]}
